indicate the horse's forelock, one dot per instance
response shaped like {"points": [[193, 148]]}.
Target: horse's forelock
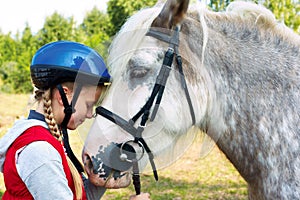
{"points": [[129, 39]]}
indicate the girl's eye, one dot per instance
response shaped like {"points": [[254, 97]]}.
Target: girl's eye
{"points": [[89, 105]]}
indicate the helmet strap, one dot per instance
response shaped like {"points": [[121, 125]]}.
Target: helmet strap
{"points": [[69, 110]]}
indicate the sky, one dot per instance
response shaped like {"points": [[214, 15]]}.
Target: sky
{"points": [[14, 14]]}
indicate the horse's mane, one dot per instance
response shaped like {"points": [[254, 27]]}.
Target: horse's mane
{"points": [[250, 16], [245, 15], [129, 38]]}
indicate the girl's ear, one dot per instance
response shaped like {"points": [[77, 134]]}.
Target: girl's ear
{"points": [[57, 95]]}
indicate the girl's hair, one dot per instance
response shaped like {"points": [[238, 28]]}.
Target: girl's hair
{"points": [[45, 96]]}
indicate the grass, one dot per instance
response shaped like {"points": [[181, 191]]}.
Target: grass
{"points": [[212, 177], [12, 107], [191, 177]]}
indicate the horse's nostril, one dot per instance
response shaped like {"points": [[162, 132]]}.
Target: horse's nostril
{"points": [[88, 162]]}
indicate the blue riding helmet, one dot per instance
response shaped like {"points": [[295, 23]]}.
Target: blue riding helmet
{"points": [[66, 61]]}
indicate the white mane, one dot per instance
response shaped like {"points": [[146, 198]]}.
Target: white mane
{"points": [[261, 17], [129, 38]]}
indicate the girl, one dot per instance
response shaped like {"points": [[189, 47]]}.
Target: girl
{"points": [[35, 157]]}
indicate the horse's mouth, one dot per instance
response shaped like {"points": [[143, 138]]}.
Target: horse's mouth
{"points": [[101, 175]]}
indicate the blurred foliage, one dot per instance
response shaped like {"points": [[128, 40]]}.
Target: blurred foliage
{"points": [[287, 11], [120, 10], [96, 31]]}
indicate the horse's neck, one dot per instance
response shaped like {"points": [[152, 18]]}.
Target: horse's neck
{"points": [[236, 58], [244, 70]]}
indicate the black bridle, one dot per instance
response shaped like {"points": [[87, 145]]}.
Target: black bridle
{"points": [[145, 111]]}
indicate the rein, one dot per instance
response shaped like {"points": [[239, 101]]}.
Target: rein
{"points": [[144, 113]]}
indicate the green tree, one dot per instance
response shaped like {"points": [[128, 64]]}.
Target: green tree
{"points": [[14, 71], [16, 78], [96, 22], [26, 47], [56, 27], [1, 50], [96, 27], [218, 5], [7, 48], [8, 53], [120, 10], [287, 11]]}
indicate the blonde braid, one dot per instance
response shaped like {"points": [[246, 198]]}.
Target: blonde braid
{"points": [[49, 117], [78, 183]]}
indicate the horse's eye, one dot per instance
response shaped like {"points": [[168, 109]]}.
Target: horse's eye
{"points": [[138, 73]]}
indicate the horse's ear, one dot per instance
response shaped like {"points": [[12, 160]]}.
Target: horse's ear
{"points": [[171, 14]]}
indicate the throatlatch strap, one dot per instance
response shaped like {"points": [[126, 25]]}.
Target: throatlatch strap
{"points": [[184, 86]]}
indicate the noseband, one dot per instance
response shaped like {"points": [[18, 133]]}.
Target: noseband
{"points": [[145, 111]]}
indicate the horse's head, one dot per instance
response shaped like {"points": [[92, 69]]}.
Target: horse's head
{"points": [[136, 61], [242, 85]]}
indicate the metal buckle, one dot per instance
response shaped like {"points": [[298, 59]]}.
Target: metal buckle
{"points": [[123, 156]]}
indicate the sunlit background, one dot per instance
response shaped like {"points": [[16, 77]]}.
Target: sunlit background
{"points": [[14, 14]]}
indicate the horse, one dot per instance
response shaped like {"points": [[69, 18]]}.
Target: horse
{"points": [[237, 79]]}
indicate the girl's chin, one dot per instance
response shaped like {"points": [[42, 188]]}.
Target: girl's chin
{"points": [[73, 126]]}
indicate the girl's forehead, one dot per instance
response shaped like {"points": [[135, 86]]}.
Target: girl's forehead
{"points": [[90, 91]]}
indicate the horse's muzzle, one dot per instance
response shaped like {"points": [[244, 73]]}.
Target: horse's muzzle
{"points": [[119, 156], [111, 167]]}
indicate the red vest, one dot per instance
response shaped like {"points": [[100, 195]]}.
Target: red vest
{"points": [[15, 187]]}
